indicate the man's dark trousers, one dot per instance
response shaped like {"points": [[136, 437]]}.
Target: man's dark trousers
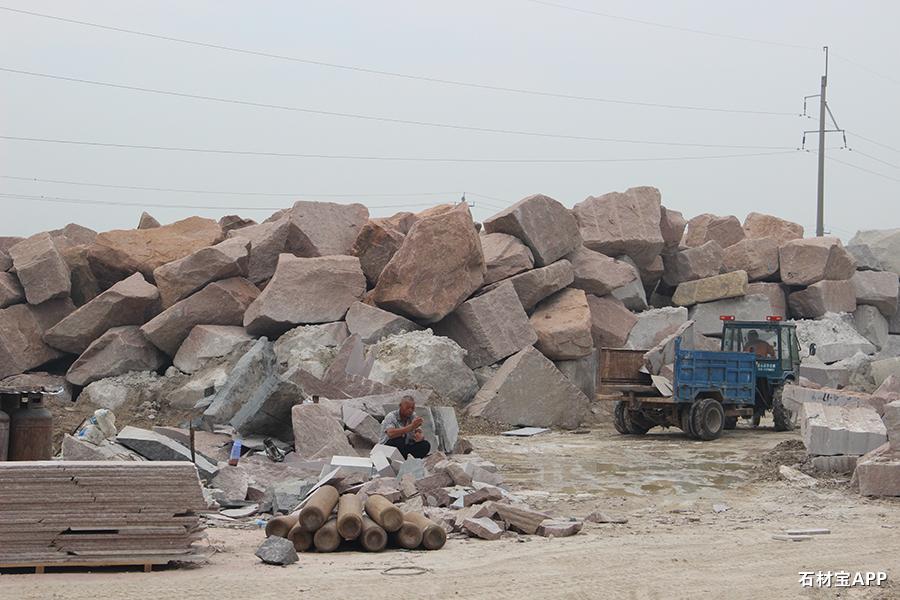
{"points": [[415, 449]]}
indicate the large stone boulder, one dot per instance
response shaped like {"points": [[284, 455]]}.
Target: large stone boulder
{"points": [[563, 325], [834, 336], [654, 325], [823, 297], [752, 307], [728, 285], [219, 303], [115, 255], [871, 324], [489, 327], [611, 322], [11, 291], [324, 228], [864, 257], [230, 223], [372, 324], [317, 433], [632, 294], [726, 231], [22, 328], [7, 242], [804, 262], [41, 270], [623, 223], [267, 242], [85, 286], [504, 256], [542, 223], [375, 246], [775, 293], [311, 348], [419, 359], [306, 291], [251, 373], [693, 263], [207, 342], [116, 352], [598, 274], [131, 301], [582, 372], [529, 390], [884, 244], [72, 235], [180, 278], [758, 225], [757, 256], [535, 285], [878, 289], [671, 225], [439, 265]]}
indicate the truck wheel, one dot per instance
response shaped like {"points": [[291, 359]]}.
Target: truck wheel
{"points": [[686, 422], [619, 418], [780, 414], [636, 423], [731, 423], [708, 418]]}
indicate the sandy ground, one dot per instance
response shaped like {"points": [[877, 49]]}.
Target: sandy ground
{"points": [[675, 545]]}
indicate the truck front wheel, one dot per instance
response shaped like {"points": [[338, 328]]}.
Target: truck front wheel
{"points": [[708, 419]]}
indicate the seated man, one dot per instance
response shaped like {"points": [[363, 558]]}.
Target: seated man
{"points": [[761, 348], [402, 430]]}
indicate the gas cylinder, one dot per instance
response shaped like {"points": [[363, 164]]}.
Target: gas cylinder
{"points": [[31, 431], [4, 435]]}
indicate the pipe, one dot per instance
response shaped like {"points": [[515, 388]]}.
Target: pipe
{"points": [[349, 519], [318, 508], [372, 537], [302, 539], [409, 535], [281, 526], [433, 535], [326, 538], [383, 512]]}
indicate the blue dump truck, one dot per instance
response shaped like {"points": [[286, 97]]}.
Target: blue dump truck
{"points": [[711, 390]]}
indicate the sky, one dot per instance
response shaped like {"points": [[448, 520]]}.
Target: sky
{"points": [[756, 57]]}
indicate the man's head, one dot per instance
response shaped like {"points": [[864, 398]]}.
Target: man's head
{"points": [[407, 406], [752, 336]]}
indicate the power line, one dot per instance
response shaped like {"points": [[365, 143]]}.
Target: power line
{"points": [[672, 27], [388, 158], [400, 75], [869, 70], [857, 167], [875, 158], [364, 117], [79, 201], [877, 143]]}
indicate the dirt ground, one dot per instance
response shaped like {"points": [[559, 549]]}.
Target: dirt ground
{"points": [[674, 545]]}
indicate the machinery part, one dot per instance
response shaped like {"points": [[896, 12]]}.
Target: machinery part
{"points": [[686, 418], [302, 539], [731, 423], [382, 511], [433, 535], [327, 538], [274, 453], [707, 419], [349, 516], [409, 535], [318, 508], [372, 538], [619, 417], [780, 414], [637, 423], [31, 431], [281, 526]]}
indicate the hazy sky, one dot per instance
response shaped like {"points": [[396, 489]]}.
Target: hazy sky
{"points": [[509, 43]]}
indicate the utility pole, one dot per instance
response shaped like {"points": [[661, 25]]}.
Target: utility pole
{"points": [[823, 109]]}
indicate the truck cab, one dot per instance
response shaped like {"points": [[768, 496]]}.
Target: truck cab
{"points": [[777, 360]]}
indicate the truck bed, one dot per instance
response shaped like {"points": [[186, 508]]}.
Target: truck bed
{"points": [[730, 375]]}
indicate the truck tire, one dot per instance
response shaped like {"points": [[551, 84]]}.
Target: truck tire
{"points": [[619, 418], [780, 414], [708, 419], [731, 423], [636, 423], [686, 422]]}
